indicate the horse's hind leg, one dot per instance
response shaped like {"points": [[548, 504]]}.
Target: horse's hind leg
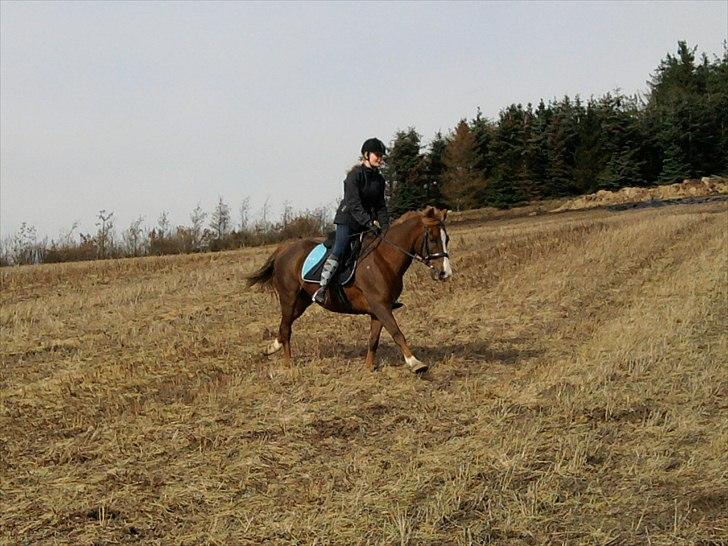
{"points": [[290, 311]]}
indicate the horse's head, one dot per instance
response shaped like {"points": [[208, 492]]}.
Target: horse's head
{"points": [[432, 244]]}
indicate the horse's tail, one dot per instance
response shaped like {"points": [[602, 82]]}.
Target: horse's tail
{"points": [[264, 275]]}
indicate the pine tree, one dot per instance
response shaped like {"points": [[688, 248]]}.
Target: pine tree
{"points": [[674, 166], [435, 168], [536, 152], [509, 174], [461, 180], [717, 96], [623, 143], [561, 141], [533, 157], [687, 108], [483, 136], [590, 157], [674, 77], [621, 170], [406, 173]]}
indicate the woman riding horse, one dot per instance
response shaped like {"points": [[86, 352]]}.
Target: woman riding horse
{"points": [[378, 280], [362, 209]]}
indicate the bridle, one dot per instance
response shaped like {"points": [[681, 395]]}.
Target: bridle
{"points": [[425, 251], [424, 256]]}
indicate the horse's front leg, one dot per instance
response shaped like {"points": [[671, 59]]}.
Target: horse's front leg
{"points": [[374, 333], [384, 314]]}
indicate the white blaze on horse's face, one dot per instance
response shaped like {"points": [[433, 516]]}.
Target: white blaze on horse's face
{"points": [[446, 269]]}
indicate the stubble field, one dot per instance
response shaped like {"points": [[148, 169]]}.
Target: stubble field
{"points": [[578, 394]]}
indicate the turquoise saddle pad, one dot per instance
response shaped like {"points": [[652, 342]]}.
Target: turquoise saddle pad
{"points": [[314, 258]]}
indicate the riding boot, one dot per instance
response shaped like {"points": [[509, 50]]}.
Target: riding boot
{"points": [[330, 266]]}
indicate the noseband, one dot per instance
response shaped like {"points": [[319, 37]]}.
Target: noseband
{"points": [[425, 250]]}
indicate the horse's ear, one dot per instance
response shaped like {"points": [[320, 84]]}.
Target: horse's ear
{"points": [[429, 212]]}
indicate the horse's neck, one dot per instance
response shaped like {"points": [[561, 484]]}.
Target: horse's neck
{"points": [[406, 233], [404, 236]]}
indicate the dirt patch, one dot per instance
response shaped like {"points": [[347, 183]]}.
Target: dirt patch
{"points": [[706, 186]]}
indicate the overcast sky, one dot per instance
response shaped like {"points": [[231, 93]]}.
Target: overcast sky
{"points": [[142, 107]]}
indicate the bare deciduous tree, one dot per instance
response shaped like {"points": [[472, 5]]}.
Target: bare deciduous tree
{"points": [[263, 224], [134, 238], [197, 217], [244, 213], [105, 233], [22, 245], [163, 227], [220, 219], [288, 214]]}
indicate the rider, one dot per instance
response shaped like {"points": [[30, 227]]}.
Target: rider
{"points": [[362, 209]]}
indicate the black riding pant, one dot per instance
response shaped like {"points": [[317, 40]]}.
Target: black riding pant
{"points": [[341, 243]]}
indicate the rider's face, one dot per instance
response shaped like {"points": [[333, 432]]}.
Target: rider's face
{"points": [[374, 159]]}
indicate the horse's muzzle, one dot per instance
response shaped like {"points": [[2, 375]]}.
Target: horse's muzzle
{"points": [[439, 275]]}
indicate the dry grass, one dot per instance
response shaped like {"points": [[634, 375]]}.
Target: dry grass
{"points": [[579, 395]]}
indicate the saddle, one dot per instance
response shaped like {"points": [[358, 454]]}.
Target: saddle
{"points": [[314, 262]]}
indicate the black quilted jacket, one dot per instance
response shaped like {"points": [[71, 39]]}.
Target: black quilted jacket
{"points": [[363, 199]]}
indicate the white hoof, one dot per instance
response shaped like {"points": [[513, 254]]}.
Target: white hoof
{"points": [[274, 347], [415, 365]]}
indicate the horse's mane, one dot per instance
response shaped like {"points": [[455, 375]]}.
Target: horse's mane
{"points": [[406, 216], [424, 216]]}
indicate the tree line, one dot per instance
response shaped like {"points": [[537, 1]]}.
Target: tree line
{"points": [[206, 232], [678, 129]]}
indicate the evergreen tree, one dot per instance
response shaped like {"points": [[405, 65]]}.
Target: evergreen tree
{"points": [[504, 186], [406, 173], [687, 109], [483, 136], [533, 173], [674, 77], [620, 124], [674, 166], [621, 170], [461, 180], [708, 118], [561, 141], [590, 157], [435, 168], [717, 99]]}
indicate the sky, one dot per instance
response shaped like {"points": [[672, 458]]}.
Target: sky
{"points": [[144, 107]]}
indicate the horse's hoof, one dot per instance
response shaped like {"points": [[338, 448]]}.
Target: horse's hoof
{"points": [[416, 366], [274, 347], [420, 369]]}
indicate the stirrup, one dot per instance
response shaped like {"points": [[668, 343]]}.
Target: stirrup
{"points": [[319, 296]]}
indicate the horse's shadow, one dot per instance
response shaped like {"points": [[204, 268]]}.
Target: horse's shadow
{"points": [[480, 352], [508, 352]]}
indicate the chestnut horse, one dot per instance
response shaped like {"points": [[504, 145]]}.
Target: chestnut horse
{"points": [[417, 235]]}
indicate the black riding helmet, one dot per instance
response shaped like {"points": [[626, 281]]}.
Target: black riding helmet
{"points": [[373, 145]]}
